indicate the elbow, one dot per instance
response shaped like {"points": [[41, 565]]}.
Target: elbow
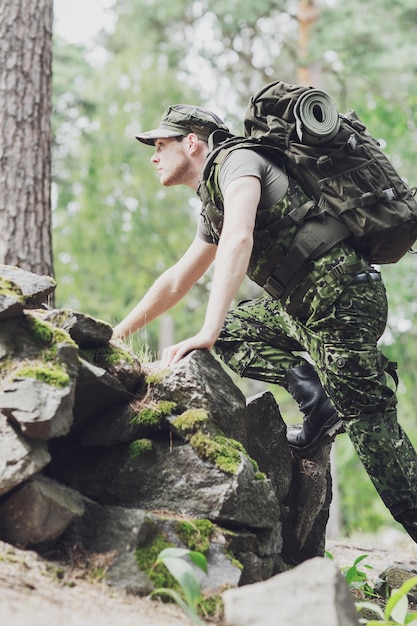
{"points": [[246, 240], [239, 241], [175, 285]]}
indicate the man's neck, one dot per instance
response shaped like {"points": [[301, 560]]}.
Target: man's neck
{"points": [[199, 164]]}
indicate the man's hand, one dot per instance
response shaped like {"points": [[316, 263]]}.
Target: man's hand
{"points": [[175, 353]]}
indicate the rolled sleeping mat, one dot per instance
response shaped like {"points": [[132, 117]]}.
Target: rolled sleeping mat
{"points": [[317, 118]]}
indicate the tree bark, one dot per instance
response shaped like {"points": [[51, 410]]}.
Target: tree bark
{"points": [[25, 134], [308, 14]]}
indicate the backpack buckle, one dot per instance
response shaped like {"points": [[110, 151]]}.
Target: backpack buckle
{"points": [[274, 287], [352, 143], [390, 194]]}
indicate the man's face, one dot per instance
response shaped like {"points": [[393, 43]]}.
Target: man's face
{"points": [[172, 161]]}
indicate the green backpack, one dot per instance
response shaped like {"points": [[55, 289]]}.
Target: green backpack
{"points": [[337, 162]]}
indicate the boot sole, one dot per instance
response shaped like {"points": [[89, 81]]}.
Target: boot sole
{"points": [[327, 433]]}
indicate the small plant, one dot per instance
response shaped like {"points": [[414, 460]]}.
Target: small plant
{"points": [[396, 609], [357, 579], [184, 574]]}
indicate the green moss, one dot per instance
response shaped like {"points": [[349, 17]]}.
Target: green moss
{"points": [[8, 558], [61, 336], [146, 556], [46, 367], [260, 476], [212, 606], [234, 561], [35, 352], [139, 447], [191, 420], [49, 373], [9, 288], [254, 465], [156, 378], [223, 452], [115, 355], [45, 333], [108, 354], [195, 534], [152, 415], [148, 417], [41, 331]]}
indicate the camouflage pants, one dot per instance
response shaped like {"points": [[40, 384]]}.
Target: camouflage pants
{"points": [[261, 340]]}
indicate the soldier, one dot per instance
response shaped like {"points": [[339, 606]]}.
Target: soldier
{"points": [[335, 310]]}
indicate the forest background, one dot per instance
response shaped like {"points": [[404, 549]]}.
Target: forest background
{"points": [[115, 229]]}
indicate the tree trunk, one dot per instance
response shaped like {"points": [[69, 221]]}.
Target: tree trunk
{"points": [[308, 14], [25, 134]]}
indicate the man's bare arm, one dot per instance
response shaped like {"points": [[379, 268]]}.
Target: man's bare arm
{"points": [[233, 254], [169, 288]]}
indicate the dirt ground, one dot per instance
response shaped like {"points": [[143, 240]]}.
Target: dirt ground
{"points": [[390, 548], [37, 592]]}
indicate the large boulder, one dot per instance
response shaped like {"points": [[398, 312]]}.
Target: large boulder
{"points": [[33, 289], [198, 381], [38, 379], [20, 458], [313, 593], [37, 512], [133, 537], [93, 443], [153, 475]]}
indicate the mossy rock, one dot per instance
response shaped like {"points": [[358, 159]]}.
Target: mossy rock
{"points": [[153, 414], [34, 350], [119, 363], [10, 289], [392, 578]]}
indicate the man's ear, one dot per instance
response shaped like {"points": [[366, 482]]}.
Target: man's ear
{"points": [[192, 142]]}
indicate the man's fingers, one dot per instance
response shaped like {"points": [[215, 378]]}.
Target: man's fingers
{"points": [[173, 354]]}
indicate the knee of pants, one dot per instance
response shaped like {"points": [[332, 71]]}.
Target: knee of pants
{"points": [[355, 379]]}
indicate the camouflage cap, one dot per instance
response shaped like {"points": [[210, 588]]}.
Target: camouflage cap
{"points": [[182, 119]]}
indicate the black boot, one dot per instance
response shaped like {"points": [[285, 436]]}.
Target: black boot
{"points": [[321, 421]]}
